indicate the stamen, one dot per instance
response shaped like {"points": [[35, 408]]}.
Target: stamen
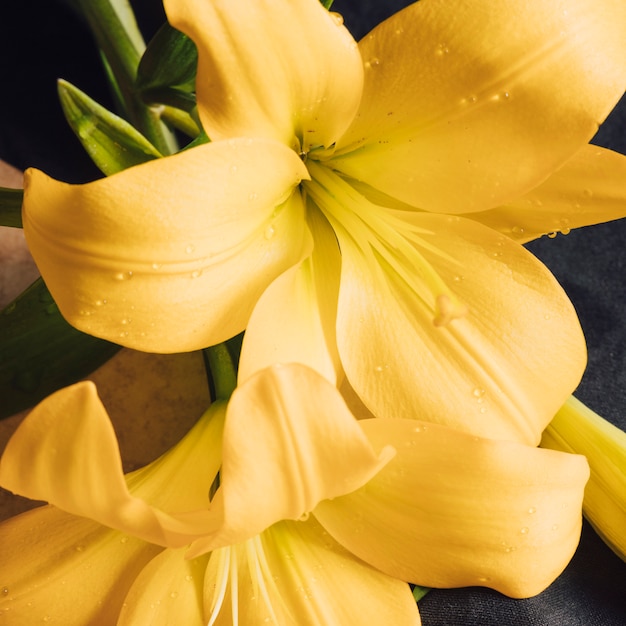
{"points": [[447, 309], [234, 587], [223, 566]]}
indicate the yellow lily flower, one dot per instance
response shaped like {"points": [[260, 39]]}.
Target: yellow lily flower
{"points": [[578, 429], [389, 154], [307, 500]]}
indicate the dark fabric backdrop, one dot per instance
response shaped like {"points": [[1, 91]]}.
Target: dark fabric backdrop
{"points": [[41, 41]]}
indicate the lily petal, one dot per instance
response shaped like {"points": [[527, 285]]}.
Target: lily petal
{"points": [[169, 590], [464, 511], [501, 367], [247, 85], [289, 442], [294, 320], [65, 452], [291, 574], [171, 255], [65, 569], [466, 107], [588, 189]]}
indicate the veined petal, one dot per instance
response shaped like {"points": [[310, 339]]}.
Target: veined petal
{"points": [[289, 442], [283, 69], [466, 107], [482, 325], [171, 255], [464, 511], [588, 189], [294, 320], [294, 574], [65, 569], [169, 590], [65, 452]]}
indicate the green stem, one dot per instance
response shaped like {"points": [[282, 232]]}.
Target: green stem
{"points": [[223, 370], [114, 27]]}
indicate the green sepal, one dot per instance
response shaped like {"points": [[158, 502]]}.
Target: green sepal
{"points": [[111, 142], [167, 70], [11, 207], [327, 4], [41, 352]]}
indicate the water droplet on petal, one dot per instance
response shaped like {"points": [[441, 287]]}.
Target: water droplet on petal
{"points": [[337, 17], [270, 231], [189, 249], [524, 530], [532, 510], [552, 235], [478, 392]]}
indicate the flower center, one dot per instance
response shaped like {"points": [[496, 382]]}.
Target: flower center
{"points": [[385, 237]]}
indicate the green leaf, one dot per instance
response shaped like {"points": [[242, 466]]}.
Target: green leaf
{"points": [[115, 30], [11, 207], [41, 352], [419, 592], [110, 141], [168, 64]]}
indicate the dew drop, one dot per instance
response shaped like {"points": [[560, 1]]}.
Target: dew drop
{"points": [[304, 517], [555, 526], [270, 231], [566, 231], [532, 510], [517, 230], [524, 530], [5, 591], [552, 235], [189, 249], [253, 196], [125, 320], [124, 275], [478, 392], [189, 578], [100, 302], [196, 273], [79, 548], [124, 540], [337, 17], [587, 193], [174, 594], [157, 266]]}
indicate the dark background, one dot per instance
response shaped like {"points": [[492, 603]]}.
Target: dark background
{"points": [[42, 41]]}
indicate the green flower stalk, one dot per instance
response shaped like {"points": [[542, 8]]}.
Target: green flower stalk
{"points": [[576, 428]]}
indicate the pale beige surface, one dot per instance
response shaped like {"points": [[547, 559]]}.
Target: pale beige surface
{"points": [[153, 400]]}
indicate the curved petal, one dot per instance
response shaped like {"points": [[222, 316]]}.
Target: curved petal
{"points": [[294, 574], [294, 320], [171, 255], [466, 107], [464, 511], [475, 318], [289, 442], [169, 590], [65, 569], [283, 69], [65, 452], [588, 189]]}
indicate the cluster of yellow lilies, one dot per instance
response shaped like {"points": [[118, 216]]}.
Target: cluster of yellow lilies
{"points": [[360, 212]]}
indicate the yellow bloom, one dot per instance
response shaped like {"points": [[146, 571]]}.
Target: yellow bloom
{"points": [[449, 509], [576, 428], [387, 156]]}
